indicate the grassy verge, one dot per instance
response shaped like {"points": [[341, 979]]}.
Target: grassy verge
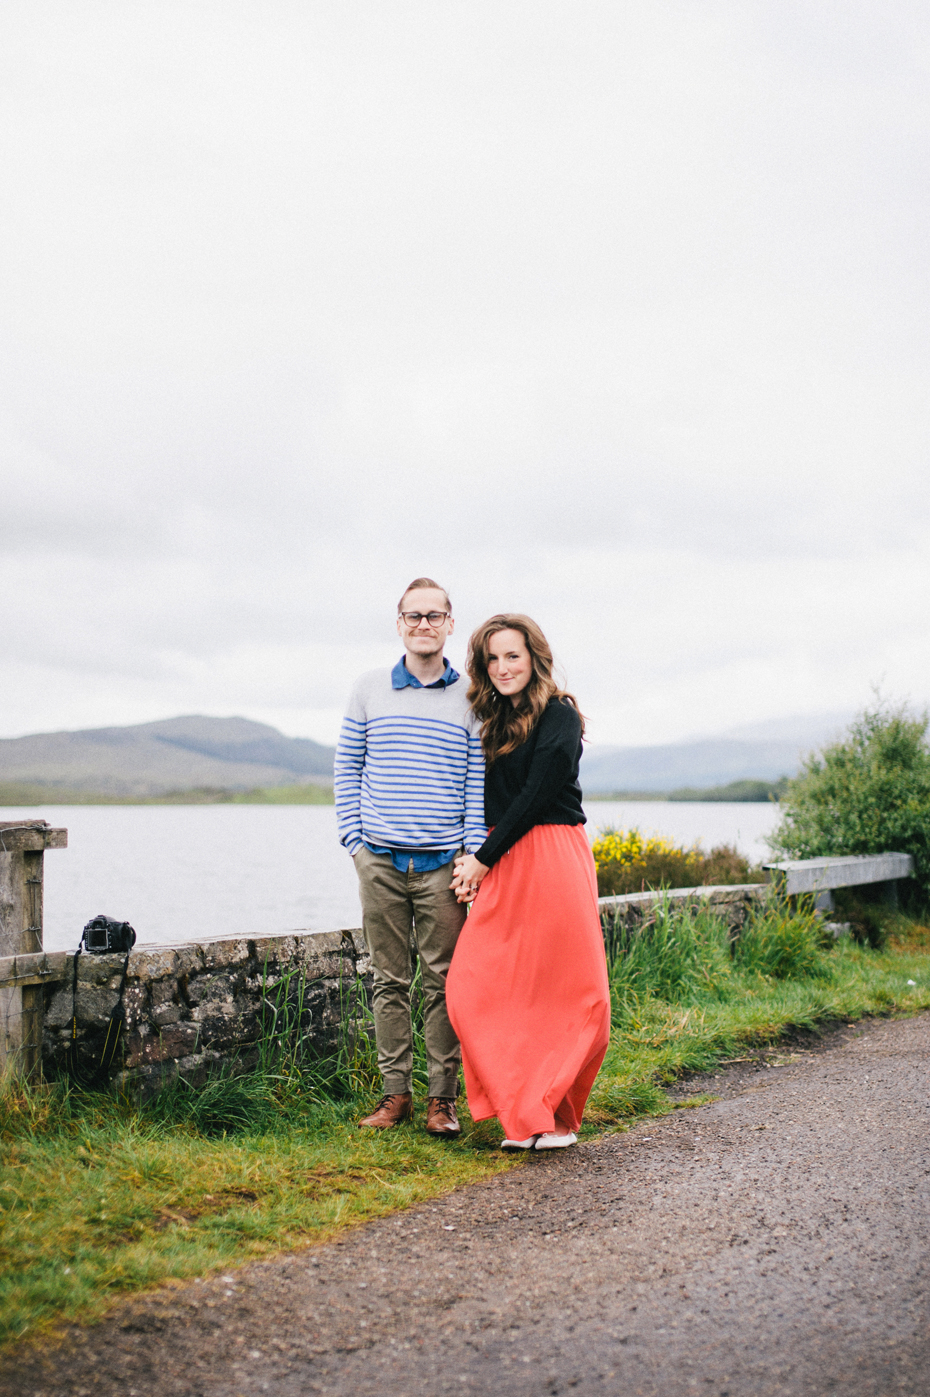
{"points": [[115, 1203], [17, 794], [99, 1197], [286, 795], [658, 1041]]}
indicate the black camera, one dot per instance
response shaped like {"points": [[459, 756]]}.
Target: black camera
{"points": [[102, 935]]}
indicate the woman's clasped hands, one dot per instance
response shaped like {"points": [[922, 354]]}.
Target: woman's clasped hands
{"points": [[467, 877]]}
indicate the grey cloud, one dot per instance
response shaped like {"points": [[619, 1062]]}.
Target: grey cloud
{"points": [[607, 313]]}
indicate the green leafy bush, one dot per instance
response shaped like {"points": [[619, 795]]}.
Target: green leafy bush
{"points": [[867, 794]]}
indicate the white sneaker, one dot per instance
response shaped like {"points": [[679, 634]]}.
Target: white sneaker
{"points": [[519, 1144], [555, 1142]]}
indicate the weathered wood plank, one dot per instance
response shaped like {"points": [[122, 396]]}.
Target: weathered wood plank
{"points": [[849, 871], [40, 968], [22, 847], [22, 838]]}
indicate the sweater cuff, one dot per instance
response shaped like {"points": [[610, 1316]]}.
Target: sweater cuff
{"points": [[485, 855]]}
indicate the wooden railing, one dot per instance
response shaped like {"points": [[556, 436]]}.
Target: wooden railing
{"points": [[821, 876], [22, 849]]}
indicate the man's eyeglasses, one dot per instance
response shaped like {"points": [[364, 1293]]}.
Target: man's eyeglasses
{"points": [[412, 619]]}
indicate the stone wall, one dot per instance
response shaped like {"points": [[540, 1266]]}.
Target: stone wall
{"points": [[734, 902], [188, 1008]]}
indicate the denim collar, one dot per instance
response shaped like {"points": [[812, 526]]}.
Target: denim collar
{"points": [[401, 678]]}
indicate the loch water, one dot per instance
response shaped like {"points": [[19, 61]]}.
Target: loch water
{"points": [[200, 872]]}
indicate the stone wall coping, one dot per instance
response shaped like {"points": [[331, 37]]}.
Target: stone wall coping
{"points": [[153, 962], [716, 892], [297, 932], [298, 935]]}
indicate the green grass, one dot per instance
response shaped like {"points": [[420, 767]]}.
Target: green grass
{"points": [[742, 791], [101, 1197], [684, 999], [111, 1203], [18, 794], [287, 795]]}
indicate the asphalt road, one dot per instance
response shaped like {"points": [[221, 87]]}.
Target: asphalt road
{"points": [[775, 1241]]}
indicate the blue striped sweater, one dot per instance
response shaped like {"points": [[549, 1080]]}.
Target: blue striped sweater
{"points": [[409, 770]]}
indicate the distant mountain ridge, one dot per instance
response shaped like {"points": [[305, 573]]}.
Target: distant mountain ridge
{"points": [[709, 763], [237, 754], [761, 751], [148, 759]]}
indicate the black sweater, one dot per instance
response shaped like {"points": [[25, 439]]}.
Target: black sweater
{"points": [[535, 785]]}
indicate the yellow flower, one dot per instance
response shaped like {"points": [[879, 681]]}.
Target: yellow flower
{"points": [[629, 846]]}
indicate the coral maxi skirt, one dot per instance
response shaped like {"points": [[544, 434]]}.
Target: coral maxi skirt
{"points": [[527, 989]]}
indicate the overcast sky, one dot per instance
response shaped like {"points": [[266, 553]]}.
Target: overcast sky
{"points": [[615, 313]]}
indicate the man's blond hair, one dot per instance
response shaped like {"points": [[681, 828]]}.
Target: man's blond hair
{"points": [[424, 582]]}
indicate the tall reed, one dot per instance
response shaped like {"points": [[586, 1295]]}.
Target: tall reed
{"points": [[676, 955], [684, 953]]}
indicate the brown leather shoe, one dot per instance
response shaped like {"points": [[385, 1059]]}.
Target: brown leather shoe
{"points": [[390, 1110], [441, 1118]]}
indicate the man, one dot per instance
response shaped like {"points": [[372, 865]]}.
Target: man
{"points": [[409, 796]]}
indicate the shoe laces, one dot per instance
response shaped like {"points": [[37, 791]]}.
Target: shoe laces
{"points": [[443, 1106], [386, 1101]]}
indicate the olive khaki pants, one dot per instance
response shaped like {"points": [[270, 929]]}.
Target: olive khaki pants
{"points": [[400, 910]]}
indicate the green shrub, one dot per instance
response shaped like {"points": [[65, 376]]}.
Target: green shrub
{"points": [[726, 865], [868, 794]]}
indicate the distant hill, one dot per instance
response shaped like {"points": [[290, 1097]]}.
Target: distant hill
{"points": [[711, 762], [805, 730], [150, 759], [236, 754], [742, 792], [763, 751]]}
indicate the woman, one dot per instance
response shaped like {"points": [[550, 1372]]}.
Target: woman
{"points": [[527, 989]]}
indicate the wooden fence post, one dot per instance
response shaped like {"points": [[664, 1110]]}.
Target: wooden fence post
{"points": [[22, 848]]}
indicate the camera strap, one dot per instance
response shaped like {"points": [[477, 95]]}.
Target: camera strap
{"points": [[89, 1073], [74, 996], [114, 1024]]}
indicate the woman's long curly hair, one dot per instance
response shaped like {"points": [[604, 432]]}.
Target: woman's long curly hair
{"points": [[506, 726]]}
